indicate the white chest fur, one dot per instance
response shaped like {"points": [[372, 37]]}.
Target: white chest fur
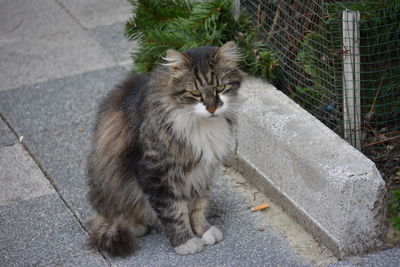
{"points": [[210, 138]]}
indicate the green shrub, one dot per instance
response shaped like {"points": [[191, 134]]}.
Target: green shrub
{"points": [[394, 209], [158, 25]]}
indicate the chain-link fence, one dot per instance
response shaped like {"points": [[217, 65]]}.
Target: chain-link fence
{"points": [[341, 62]]}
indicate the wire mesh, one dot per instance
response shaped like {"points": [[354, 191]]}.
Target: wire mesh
{"points": [[323, 74]]}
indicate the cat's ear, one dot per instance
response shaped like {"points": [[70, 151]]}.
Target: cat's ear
{"points": [[228, 54], [177, 62]]}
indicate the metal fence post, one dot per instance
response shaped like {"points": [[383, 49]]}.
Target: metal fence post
{"points": [[351, 78], [236, 9]]}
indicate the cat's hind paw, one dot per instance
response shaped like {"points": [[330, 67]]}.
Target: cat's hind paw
{"points": [[212, 236], [191, 246], [140, 229]]}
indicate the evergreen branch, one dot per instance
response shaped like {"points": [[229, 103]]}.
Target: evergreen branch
{"points": [[158, 25]]}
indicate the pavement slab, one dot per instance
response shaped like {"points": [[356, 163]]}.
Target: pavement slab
{"points": [[243, 245], [59, 102], [20, 177], [111, 38], [7, 137], [42, 232], [390, 258], [93, 13], [62, 153], [40, 41]]}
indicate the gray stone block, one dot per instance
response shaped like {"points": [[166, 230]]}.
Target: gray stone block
{"points": [[59, 102], [92, 13], [7, 137], [328, 186], [39, 41], [42, 232], [111, 38], [20, 177]]}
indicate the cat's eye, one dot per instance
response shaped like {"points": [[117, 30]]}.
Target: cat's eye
{"points": [[195, 93], [221, 88]]}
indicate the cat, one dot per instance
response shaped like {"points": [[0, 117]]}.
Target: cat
{"points": [[158, 141]]}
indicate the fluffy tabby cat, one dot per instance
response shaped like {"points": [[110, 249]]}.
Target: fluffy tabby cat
{"points": [[158, 142]]}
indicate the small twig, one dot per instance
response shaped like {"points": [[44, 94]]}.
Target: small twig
{"points": [[377, 93], [387, 152], [275, 22], [372, 129], [381, 141]]}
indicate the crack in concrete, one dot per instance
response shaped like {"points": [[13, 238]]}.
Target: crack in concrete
{"points": [[70, 13]]}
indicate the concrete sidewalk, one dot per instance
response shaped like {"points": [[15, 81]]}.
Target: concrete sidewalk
{"points": [[58, 58]]}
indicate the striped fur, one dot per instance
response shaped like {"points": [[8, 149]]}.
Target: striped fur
{"points": [[158, 141]]}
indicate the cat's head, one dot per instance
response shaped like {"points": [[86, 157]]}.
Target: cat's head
{"points": [[205, 80]]}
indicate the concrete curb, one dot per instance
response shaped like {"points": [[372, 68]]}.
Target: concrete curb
{"points": [[325, 184]]}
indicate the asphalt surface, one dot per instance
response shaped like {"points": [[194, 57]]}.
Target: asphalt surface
{"points": [[58, 58]]}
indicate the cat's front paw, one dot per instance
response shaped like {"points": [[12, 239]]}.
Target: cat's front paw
{"points": [[212, 236], [191, 246]]}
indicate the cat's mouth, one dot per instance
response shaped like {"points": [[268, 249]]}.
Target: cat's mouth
{"points": [[213, 116]]}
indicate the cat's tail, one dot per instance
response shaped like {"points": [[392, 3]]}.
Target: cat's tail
{"points": [[115, 236]]}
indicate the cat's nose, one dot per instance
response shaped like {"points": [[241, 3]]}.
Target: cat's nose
{"points": [[211, 109]]}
